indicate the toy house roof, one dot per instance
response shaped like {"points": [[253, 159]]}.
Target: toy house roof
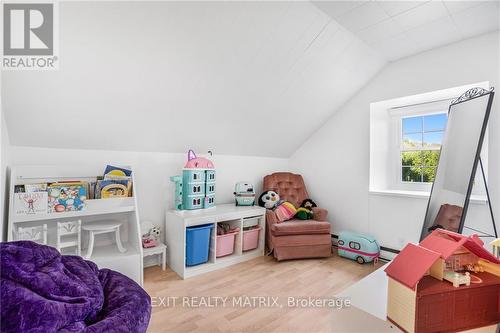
{"points": [[447, 242], [443, 245], [412, 263]]}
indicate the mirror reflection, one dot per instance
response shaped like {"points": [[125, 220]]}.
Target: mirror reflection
{"points": [[461, 134]]}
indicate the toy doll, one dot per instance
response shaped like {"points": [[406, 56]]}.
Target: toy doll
{"points": [[304, 212]]}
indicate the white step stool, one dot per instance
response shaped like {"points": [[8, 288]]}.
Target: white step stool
{"points": [[160, 249], [103, 227]]}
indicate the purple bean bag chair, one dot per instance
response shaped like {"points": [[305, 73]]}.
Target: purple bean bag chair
{"points": [[43, 291]]}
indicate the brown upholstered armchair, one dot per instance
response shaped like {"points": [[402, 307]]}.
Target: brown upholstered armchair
{"points": [[296, 238]]}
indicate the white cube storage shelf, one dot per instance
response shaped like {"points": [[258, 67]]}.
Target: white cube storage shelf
{"points": [[105, 253], [177, 221]]}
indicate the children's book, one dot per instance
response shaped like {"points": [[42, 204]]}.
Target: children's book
{"points": [[115, 177], [113, 188], [35, 187], [67, 197], [19, 189], [117, 171], [33, 203], [91, 190]]}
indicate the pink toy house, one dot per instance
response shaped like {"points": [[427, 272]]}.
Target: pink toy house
{"points": [[430, 289]]}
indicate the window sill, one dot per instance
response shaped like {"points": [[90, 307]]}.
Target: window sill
{"points": [[476, 199]]}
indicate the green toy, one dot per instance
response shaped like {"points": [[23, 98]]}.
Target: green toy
{"points": [[304, 212]]}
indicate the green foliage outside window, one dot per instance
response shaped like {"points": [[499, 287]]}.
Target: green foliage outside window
{"points": [[421, 141], [419, 166]]}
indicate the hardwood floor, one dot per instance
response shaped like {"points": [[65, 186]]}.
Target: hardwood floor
{"points": [[274, 281]]}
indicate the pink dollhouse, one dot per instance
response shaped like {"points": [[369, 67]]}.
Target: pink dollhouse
{"points": [[447, 283]]}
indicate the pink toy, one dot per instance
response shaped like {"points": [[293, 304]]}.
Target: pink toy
{"points": [[148, 242], [414, 261], [429, 289], [197, 162]]}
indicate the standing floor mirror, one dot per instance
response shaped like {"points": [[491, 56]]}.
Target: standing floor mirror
{"points": [[459, 161]]}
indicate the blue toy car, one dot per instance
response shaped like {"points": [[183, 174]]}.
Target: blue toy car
{"points": [[358, 247]]}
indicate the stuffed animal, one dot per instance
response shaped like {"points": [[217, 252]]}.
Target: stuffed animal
{"points": [[304, 212], [155, 232], [269, 200], [152, 237], [284, 210]]}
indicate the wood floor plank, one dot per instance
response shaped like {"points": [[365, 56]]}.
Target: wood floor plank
{"points": [[263, 276]]}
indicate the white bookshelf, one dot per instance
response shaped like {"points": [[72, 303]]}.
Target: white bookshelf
{"points": [[177, 222], [93, 208], [105, 254]]}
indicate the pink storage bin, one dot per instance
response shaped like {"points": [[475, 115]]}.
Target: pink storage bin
{"points": [[225, 244], [251, 239]]}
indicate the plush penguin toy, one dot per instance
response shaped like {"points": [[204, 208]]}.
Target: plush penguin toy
{"points": [[284, 210], [269, 200]]}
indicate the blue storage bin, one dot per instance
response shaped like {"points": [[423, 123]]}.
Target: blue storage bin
{"points": [[198, 244]]}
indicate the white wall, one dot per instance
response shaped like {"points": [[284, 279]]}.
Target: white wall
{"points": [[335, 160], [152, 171]]}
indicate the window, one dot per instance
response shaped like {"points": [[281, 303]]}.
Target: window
{"points": [[341, 242], [421, 138], [405, 141], [355, 245], [195, 176]]}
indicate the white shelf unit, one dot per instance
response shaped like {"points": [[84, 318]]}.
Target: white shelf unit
{"points": [[105, 254], [177, 222]]}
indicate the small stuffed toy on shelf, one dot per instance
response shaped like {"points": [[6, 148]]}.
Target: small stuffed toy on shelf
{"points": [[284, 210], [304, 212], [152, 237]]}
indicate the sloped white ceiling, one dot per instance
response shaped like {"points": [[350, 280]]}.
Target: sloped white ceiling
{"points": [[248, 78], [399, 29]]}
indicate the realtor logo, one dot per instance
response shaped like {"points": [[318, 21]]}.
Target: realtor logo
{"points": [[29, 36]]}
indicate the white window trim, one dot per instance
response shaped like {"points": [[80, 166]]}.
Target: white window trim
{"points": [[385, 140], [396, 155]]}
